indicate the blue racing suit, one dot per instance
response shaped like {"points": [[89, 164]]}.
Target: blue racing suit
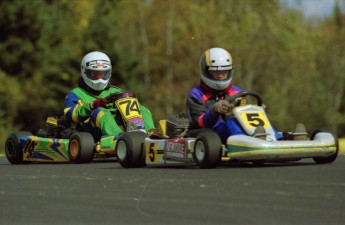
{"points": [[199, 102]]}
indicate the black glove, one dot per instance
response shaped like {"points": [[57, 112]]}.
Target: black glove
{"points": [[100, 102], [222, 107]]}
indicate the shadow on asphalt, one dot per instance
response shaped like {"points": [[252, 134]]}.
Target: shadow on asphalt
{"points": [[242, 165]]}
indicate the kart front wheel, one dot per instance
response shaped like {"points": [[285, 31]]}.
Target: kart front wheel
{"points": [[81, 148], [331, 158], [13, 148], [207, 150], [129, 149]]}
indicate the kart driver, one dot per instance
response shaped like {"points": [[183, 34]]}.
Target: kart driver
{"points": [[207, 106], [86, 104]]}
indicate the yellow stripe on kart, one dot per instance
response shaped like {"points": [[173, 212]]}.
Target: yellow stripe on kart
{"points": [[247, 149]]}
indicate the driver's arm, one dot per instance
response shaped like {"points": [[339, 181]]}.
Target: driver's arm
{"points": [[75, 109], [199, 115]]}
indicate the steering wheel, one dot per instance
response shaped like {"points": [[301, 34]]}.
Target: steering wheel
{"points": [[254, 94], [115, 96]]}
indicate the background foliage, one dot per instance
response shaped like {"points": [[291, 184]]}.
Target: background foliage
{"points": [[297, 66]]}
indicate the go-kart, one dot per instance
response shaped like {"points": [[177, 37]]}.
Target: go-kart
{"points": [[61, 141], [175, 143]]}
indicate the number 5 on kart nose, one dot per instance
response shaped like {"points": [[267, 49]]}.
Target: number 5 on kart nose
{"points": [[221, 107]]}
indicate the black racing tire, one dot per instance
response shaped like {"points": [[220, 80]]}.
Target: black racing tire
{"points": [[331, 158], [130, 149], [81, 147], [207, 150], [13, 148]]}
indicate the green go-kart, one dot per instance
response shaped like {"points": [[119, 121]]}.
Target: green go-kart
{"points": [[62, 142]]}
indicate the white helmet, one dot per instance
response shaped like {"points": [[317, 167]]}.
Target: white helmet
{"points": [[96, 70], [215, 59]]}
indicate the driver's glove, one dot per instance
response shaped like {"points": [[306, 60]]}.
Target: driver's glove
{"points": [[222, 107], [100, 102]]}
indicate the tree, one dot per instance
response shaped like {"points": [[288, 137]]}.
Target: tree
{"points": [[39, 44]]}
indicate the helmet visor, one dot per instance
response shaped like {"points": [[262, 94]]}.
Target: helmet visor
{"points": [[219, 74], [96, 74]]}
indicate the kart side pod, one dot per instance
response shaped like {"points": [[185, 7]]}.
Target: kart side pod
{"points": [[135, 150]]}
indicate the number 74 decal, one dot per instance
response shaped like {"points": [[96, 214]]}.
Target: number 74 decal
{"points": [[254, 119], [129, 108]]}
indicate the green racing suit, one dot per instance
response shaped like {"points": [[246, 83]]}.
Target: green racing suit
{"points": [[100, 121]]}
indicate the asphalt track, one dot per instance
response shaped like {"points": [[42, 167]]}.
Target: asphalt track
{"points": [[102, 193]]}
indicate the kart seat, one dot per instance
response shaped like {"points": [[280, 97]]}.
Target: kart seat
{"points": [[58, 127]]}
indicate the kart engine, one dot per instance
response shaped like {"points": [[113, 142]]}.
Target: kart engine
{"points": [[176, 126]]}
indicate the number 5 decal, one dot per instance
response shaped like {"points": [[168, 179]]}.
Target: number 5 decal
{"points": [[151, 153], [254, 119]]}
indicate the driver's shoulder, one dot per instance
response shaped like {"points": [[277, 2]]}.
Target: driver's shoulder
{"points": [[112, 90], [234, 90]]}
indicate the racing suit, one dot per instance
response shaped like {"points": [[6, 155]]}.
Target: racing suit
{"points": [[100, 121], [199, 103]]}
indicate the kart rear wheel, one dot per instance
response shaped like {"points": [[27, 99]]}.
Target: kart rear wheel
{"points": [[331, 158], [13, 148], [81, 148], [207, 150], [129, 149]]}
